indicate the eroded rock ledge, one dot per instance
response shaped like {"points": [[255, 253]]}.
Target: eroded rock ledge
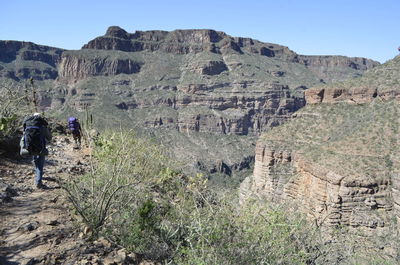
{"points": [[358, 95], [331, 198], [73, 68]]}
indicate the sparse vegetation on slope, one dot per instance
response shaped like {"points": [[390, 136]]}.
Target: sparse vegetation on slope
{"points": [[350, 139], [134, 197], [385, 77]]}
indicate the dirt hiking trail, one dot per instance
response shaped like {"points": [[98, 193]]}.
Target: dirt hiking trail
{"points": [[36, 225]]}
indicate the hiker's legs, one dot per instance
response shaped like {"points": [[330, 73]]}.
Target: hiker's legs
{"points": [[77, 138], [39, 164]]}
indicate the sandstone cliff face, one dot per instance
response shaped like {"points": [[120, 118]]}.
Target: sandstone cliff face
{"points": [[356, 95], [336, 95], [245, 113], [330, 198], [72, 68], [230, 113]]}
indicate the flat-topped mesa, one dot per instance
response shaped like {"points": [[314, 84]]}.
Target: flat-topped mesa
{"points": [[10, 49], [177, 41], [181, 36], [357, 63], [186, 41]]}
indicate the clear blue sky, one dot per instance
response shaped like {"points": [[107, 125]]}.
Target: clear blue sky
{"points": [[363, 28]]}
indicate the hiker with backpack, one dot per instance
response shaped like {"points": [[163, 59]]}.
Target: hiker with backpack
{"points": [[75, 128], [33, 143]]}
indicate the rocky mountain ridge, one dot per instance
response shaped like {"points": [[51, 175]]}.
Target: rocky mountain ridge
{"points": [[196, 41]]}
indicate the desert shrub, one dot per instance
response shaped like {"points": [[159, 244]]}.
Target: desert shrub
{"points": [[255, 233], [16, 101], [13, 107], [121, 165], [134, 197]]}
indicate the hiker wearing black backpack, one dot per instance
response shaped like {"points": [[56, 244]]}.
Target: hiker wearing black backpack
{"points": [[36, 135], [75, 128]]}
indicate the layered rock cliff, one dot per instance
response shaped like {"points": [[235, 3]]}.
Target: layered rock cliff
{"points": [[338, 157], [72, 67]]}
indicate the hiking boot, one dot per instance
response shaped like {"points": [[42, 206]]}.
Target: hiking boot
{"points": [[40, 186]]}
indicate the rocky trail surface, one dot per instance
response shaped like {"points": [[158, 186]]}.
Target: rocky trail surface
{"points": [[36, 225]]}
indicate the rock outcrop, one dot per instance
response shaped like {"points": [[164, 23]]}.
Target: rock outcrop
{"points": [[177, 42], [229, 113], [337, 158], [330, 198], [72, 68]]}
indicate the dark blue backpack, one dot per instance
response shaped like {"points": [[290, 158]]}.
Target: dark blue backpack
{"points": [[34, 140]]}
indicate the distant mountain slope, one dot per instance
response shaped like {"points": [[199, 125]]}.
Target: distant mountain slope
{"points": [[338, 157], [382, 82], [23, 60], [206, 94]]}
